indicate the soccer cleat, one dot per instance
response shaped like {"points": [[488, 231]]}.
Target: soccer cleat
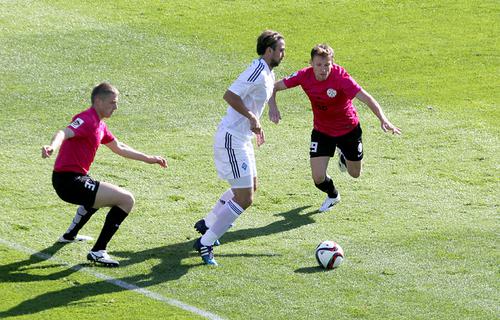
{"points": [[201, 227], [206, 253], [329, 203], [342, 163], [102, 257], [78, 238]]}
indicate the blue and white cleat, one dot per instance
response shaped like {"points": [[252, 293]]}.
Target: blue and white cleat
{"points": [[206, 253], [201, 227]]}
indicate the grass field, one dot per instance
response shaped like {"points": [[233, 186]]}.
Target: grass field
{"points": [[420, 227]]}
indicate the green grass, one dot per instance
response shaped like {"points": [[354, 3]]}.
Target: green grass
{"points": [[419, 228]]}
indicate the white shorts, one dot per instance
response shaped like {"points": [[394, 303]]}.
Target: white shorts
{"points": [[234, 158]]}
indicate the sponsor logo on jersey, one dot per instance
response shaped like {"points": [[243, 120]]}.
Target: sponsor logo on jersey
{"points": [[331, 93], [76, 123]]}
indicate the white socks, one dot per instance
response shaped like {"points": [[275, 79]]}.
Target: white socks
{"points": [[225, 217], [80, 213], [212, 215]]}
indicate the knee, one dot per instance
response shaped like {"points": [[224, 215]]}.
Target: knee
{"points": [[249, 201], [128, 202], [318, 178], [244, 201], [355, 174]]}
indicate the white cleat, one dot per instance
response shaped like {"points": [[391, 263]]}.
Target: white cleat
{"points": [[329, 203], [78, 238], [102, 257]]}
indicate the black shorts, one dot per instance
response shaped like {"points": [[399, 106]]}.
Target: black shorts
{"points": [[350, 144], [75, 188]]}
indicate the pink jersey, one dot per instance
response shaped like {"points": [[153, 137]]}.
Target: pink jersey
{"points": [[331, 99], [77, 153]]}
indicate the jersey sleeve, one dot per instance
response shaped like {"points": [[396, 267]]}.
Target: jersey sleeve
{"points": [[294, 79], [348, 85], [80, 126], [240, 86], [248, 79], [107, 136]]}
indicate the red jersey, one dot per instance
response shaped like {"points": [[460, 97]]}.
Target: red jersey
{"points": [[331, 99], [77, 153]]}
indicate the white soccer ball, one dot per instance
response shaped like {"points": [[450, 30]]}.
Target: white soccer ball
{"points": [[329, 254]]}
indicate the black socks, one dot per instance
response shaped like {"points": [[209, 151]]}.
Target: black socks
{"points": [[328, 187], [113, 220]]}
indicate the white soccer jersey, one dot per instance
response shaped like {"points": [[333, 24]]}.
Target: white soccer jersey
{"points": [[255, 87]]}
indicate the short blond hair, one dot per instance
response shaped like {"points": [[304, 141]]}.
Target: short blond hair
{"points": [[322, 50]]}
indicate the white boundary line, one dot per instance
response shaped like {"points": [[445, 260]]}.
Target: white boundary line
{"points": [[119, 283]]}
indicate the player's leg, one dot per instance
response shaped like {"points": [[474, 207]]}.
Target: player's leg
{"points": [[319, 166], [77, 189], [323, 182], [351, 148], [321, 149], [121, 202], [243, 188], [204, 224], [243, 196], [354, 168], [82, 216], [110, 195], [235, 162]]}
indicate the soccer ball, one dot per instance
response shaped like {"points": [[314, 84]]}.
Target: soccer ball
{"points": [[329, 254]]}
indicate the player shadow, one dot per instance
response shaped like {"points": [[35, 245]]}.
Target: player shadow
{"points": [[292, 219], [19, 271], [169, 268]]}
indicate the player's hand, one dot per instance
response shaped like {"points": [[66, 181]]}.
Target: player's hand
{"points": [[255, 125], [261, 138], [274, 115], [387, 126], [47, 151], [159, 160]]}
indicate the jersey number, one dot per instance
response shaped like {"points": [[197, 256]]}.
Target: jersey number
{"points": [[314, 147]]}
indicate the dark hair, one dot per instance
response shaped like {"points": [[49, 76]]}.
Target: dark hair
{"points": [[102, 89], [268, 38], [322, 50]]}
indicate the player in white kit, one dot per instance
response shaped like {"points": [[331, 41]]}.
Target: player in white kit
{"points": [[233, 149]]}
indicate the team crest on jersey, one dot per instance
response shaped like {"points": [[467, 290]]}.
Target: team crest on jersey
{"points": [[331, 93], [292, 75], [76, 123], [244, 166]]}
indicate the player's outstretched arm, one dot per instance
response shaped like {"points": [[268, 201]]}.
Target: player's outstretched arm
{"points": [[374, 106], [57, 140], [274, 112], [126, 151]]}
